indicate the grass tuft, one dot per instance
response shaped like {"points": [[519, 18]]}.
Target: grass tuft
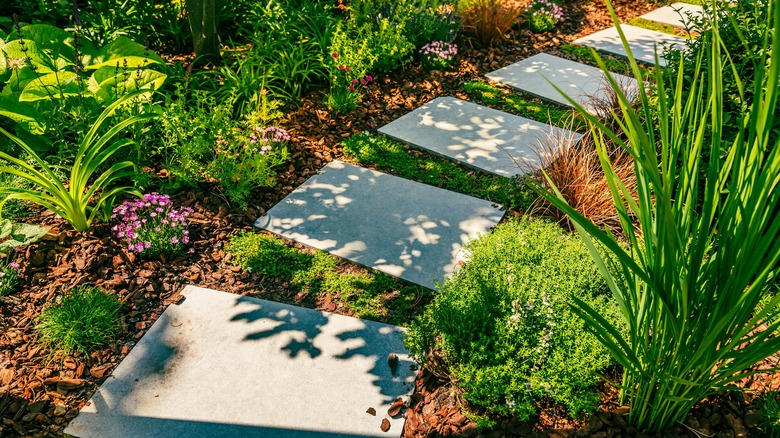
{"points": [[86, 319]]}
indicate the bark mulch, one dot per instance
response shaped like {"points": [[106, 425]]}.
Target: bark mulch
{"points": [[41, 390]]}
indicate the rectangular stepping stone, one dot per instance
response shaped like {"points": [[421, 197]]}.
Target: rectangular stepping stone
{"points": [[223, 365], [642, 42], [676, 14], [484, 138], [404, 228], [586, 84]]}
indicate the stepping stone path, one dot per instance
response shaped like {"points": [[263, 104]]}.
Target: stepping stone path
{"points": [[585, 84], [676, 14], [643, 42], [484, 138], [403, 228], [223, 365]]}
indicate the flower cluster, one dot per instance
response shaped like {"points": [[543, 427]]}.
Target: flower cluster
{"points": [[151, 225], [344, 94], [543, 15], [537, 317], [9, 278], [438, 55], [268, 138]]}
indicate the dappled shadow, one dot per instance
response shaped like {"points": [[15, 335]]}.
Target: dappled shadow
{"points": [[643, 42], [405, 229], [483, 138], [583, 83], [224, 365]]}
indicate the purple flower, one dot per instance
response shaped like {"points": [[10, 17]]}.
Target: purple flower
{"points": [[14, 265]]}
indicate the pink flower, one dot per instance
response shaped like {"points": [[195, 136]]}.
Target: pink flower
{"points": [[351, 88], [347, 69], [369, 78], [335, 55], [363, 81], [354, 81]]}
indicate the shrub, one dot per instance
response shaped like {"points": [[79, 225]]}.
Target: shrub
{"points": [[488, 21], [503, 327], [151, 226], [391, 47], [348, 66], [84, 320], [438, 55], [9, 277], [691, 287], [543, 15], [422, 21]]}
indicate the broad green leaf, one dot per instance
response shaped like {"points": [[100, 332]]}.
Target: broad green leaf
{"points": [[24, 114], [116, 53], [52, 85], [53, 40], [19, 234], [29, 53], [110, 88]]}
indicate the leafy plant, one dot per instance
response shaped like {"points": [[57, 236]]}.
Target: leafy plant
{"points": [[84, 320], [690, 289], [151, 226], [543, 15], [422, 21], [15, 234], [86, 196], [438, 55], [9, 277], [488, 21], [503, 327]]}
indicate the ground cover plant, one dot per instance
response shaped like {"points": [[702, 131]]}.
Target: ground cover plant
{"points": [[85, 319], [504, 329], [372, 295], [152, 226], [390, 155], [691, 287]]}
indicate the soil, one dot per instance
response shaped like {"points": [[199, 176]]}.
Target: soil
{"points": [[41, 390]]}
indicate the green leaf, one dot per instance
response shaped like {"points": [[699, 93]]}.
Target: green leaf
{"points": [[117, 53], [55, 41], [52, 85], [110, 88], [24, 114], [19, 234], [31, 53]]}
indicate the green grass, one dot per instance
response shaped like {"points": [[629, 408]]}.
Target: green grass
{"points": [[656, 26], [491, 95], [370, 295], [771, 410], [85, 320], [387, 154]]}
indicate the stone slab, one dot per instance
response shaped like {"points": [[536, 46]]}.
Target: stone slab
{"points": [[223, 365], [642, 42], [483, 138], [676, 14], [585, 84], [403, 228]]}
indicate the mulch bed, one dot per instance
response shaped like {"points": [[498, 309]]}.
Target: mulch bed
{"points": [[40, 390]]}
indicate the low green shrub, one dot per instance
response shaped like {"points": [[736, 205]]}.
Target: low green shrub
{"points": [[421, 21], [9, 277], [369, 295], [503, 325], [84, 320], [390, 155]]}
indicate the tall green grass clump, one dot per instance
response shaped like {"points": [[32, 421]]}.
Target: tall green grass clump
{"points": [[86, 319], [503, 328], [699, 252]]}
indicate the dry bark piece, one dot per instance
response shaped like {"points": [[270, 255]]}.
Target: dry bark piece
{"points": [[371, 411], [396, 407], [385, 426], [392, 360]]}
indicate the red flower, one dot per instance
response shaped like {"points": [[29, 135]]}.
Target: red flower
{"points": [[335, 55], [351, 88]]}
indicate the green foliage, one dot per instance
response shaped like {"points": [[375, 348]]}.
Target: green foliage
{"points": [[85, 195], [699, 252], [741, 26], [656, 26], [369, 295], [56, 85], [586, 55], [15, 234], [351, 57], [491, 95], [503, 324], [391, 47], [770, 407], [421, 21], [392, 156], [84, 320], [202, 142]]}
